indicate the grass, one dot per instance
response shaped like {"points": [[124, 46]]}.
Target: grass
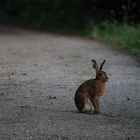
{"points": [[123, 35]]}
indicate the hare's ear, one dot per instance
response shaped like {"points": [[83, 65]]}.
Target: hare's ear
{"points": [[101, 66], [95, 65]]}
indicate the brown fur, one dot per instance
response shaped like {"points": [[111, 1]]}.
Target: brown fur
{"points": [[87, 95]]}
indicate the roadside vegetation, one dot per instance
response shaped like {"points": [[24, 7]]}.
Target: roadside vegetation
{"points": [[115, 22], [121, 34]]}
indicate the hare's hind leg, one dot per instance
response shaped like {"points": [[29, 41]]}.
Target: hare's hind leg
{"points": [[79, 102], [88, 106]]}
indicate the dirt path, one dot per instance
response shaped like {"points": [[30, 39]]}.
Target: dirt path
{"points": [[39, 74]]}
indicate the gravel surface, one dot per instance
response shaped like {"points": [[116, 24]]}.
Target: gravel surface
{"points": [[39, 74]]}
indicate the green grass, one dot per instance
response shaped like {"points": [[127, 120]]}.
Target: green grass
{"points": [[123, 35]]}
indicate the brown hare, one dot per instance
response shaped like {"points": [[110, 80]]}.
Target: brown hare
{"points": [[87, 95]]}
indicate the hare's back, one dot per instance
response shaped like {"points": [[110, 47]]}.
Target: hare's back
{"points": [[86, 86]]}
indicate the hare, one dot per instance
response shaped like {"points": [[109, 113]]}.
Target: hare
{"points": [[87, 95]]}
